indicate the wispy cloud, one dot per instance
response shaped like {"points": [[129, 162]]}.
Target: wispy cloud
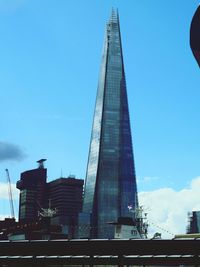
{"points": [[9, 151], [148, 179], [10, 6], [167, 208], [4, 191]]}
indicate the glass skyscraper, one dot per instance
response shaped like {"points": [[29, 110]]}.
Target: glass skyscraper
{"points": [[110, 185]]}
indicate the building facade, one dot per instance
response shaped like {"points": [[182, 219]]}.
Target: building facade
{"points": [[194, 222], [110, 185], [33, 194], [65, 195]]}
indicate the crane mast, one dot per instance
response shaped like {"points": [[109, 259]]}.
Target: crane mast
{"points": [[10, 194]]}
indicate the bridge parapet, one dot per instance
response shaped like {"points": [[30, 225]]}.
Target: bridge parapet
{"points": [[101, 252]]}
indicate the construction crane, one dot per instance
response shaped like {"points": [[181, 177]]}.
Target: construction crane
{"points": [[10, 194]]}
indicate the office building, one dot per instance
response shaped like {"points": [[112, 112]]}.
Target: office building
{"points": [[110, 179], [65, 195], [32, 186]]}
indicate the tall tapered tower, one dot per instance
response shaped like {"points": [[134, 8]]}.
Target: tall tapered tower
{"points": [[110, 180]]}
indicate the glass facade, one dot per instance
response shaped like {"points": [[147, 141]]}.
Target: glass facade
{"points": [[110, 180]]}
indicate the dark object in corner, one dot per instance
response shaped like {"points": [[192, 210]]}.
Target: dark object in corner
{"points": [[195, 35]]}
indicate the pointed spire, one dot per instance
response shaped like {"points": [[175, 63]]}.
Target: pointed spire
{"points": [[114, 15]]}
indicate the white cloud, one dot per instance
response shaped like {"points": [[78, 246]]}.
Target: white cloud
{"points": [[4, 191], [3, 216], [167, 209]]}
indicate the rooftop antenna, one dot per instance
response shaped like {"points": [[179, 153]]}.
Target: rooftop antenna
{"points": [[49, 212], [140, 218], [41, 163]]}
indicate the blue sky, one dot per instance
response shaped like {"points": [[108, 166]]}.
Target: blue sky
{"points": [[50, 54]]}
